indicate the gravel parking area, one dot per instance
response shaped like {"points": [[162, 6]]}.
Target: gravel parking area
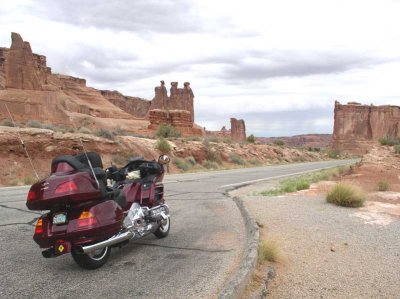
{"points": [[328, 251]]}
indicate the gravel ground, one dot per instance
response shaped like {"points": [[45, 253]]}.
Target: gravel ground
{"points": [[328, 252]]}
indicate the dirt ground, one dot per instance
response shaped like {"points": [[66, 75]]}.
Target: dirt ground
{"points": [[328, 251]]}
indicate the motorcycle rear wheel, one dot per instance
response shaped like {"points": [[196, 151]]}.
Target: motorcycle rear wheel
{"points": [[163, 230], [92, 260]]}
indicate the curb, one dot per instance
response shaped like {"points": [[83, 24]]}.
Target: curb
{"points": [[237, 285]]}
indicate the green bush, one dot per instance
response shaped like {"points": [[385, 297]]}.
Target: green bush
{"points": [[254, 162], [163, 146], [167, 131], [387, 141], [251, 139], [105, 134], [236, 159], [279, 142], [294, 185], [383, 186], [48, 127], [210, 164], [397, 149], [333, 154], [7, 123], [34, 124], [85, 130], [346, 196], [182, 164]]}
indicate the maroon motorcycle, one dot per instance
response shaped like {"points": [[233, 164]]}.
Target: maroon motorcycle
{"points": [[92, 210]]}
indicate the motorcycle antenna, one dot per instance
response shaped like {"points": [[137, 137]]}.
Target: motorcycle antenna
{"points": [[22, 142], [86, 155]]}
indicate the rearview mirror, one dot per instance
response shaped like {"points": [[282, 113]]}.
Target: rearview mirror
{"points": [[163, 159]]}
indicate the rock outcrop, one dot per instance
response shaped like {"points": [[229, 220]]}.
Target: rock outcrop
{"points": [[32, 92], [176, 110], [138, 107], [308, 140], [238, 130], [357, 126]]}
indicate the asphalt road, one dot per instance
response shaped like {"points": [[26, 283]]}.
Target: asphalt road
{"points": [[196, 260]]}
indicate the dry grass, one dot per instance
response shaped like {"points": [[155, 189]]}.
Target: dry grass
{"points": [[268, 250], [346, 196]]}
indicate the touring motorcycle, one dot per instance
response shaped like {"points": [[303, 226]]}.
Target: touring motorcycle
{"points": [[92, 210]]}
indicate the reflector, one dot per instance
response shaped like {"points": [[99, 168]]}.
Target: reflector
{"points": [[39, 226], [67, 187]]}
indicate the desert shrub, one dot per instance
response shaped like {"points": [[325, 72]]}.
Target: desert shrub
{"points": [[167, 131], [210, 164], [105, 134], [295, 184], [346, 196], [192, 138], [163, 146], [48, 127], [333, 154], [268, 251], [123, 158], [236, 159], [212, 139], [182, 164], [191, 160], [34, 124], [397, 149], [386, 140], [85, 130], [251, 139], [7, 123], [254, 162], [314, 149], [119, 132], [28, 180], [279, 142], [383, 186]]}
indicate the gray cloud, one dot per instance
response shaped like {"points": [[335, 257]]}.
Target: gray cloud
{"points": [[119, 15], [283, 63]]}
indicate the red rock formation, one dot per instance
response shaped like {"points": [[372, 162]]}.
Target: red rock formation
{"points": [[223, 133], [179, 99], [138, 107], [238, 130], [358, 126]]}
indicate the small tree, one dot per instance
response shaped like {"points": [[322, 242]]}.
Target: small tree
{"points": [[163, 146], [251, 139]]}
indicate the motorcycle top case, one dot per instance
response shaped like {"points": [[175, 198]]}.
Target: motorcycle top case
{"points": [[62, 189]]}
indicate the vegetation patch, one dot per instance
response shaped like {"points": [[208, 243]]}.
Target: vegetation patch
{"points": [[182, 164], [383, 186], [210, 164], [7, 123], [387, 140], [333, 154], [346, 196], [167, 131], [397, 149], [251, 139], [279, 142], [268, 250], [304, 182], [163, 146], [236, 159]]}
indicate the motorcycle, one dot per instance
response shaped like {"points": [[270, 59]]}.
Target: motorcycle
{"points": [[92, 210]]}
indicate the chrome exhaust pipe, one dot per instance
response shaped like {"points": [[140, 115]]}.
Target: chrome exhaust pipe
{"points": [[109, 242]]}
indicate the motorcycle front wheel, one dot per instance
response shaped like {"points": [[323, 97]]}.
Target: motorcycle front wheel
{"points": [[163, 230], [92, 260]]}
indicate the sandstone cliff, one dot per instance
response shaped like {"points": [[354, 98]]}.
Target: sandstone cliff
{"points": [[357, 127], [32, 92], [238, 130]]}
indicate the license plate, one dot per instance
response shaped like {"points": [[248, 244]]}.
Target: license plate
{"points": [[157, 211], [60, 218]]}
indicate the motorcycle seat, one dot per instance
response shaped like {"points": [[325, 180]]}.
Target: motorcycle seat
{"points": [[118, 196]]}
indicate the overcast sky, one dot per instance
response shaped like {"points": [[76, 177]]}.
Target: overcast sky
{"points": [[279, 65]]}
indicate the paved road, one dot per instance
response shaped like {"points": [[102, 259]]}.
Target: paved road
{"points": [[195, 261]]}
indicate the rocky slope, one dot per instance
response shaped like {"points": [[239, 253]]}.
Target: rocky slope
{"points": [[43, 145]]}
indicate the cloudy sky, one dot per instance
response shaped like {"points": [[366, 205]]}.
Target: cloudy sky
{"points": [[279, 65]]}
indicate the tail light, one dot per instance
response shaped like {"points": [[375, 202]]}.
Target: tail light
{"points": [[86, 219], [67, 187], [32, 195], [39, 226]]}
